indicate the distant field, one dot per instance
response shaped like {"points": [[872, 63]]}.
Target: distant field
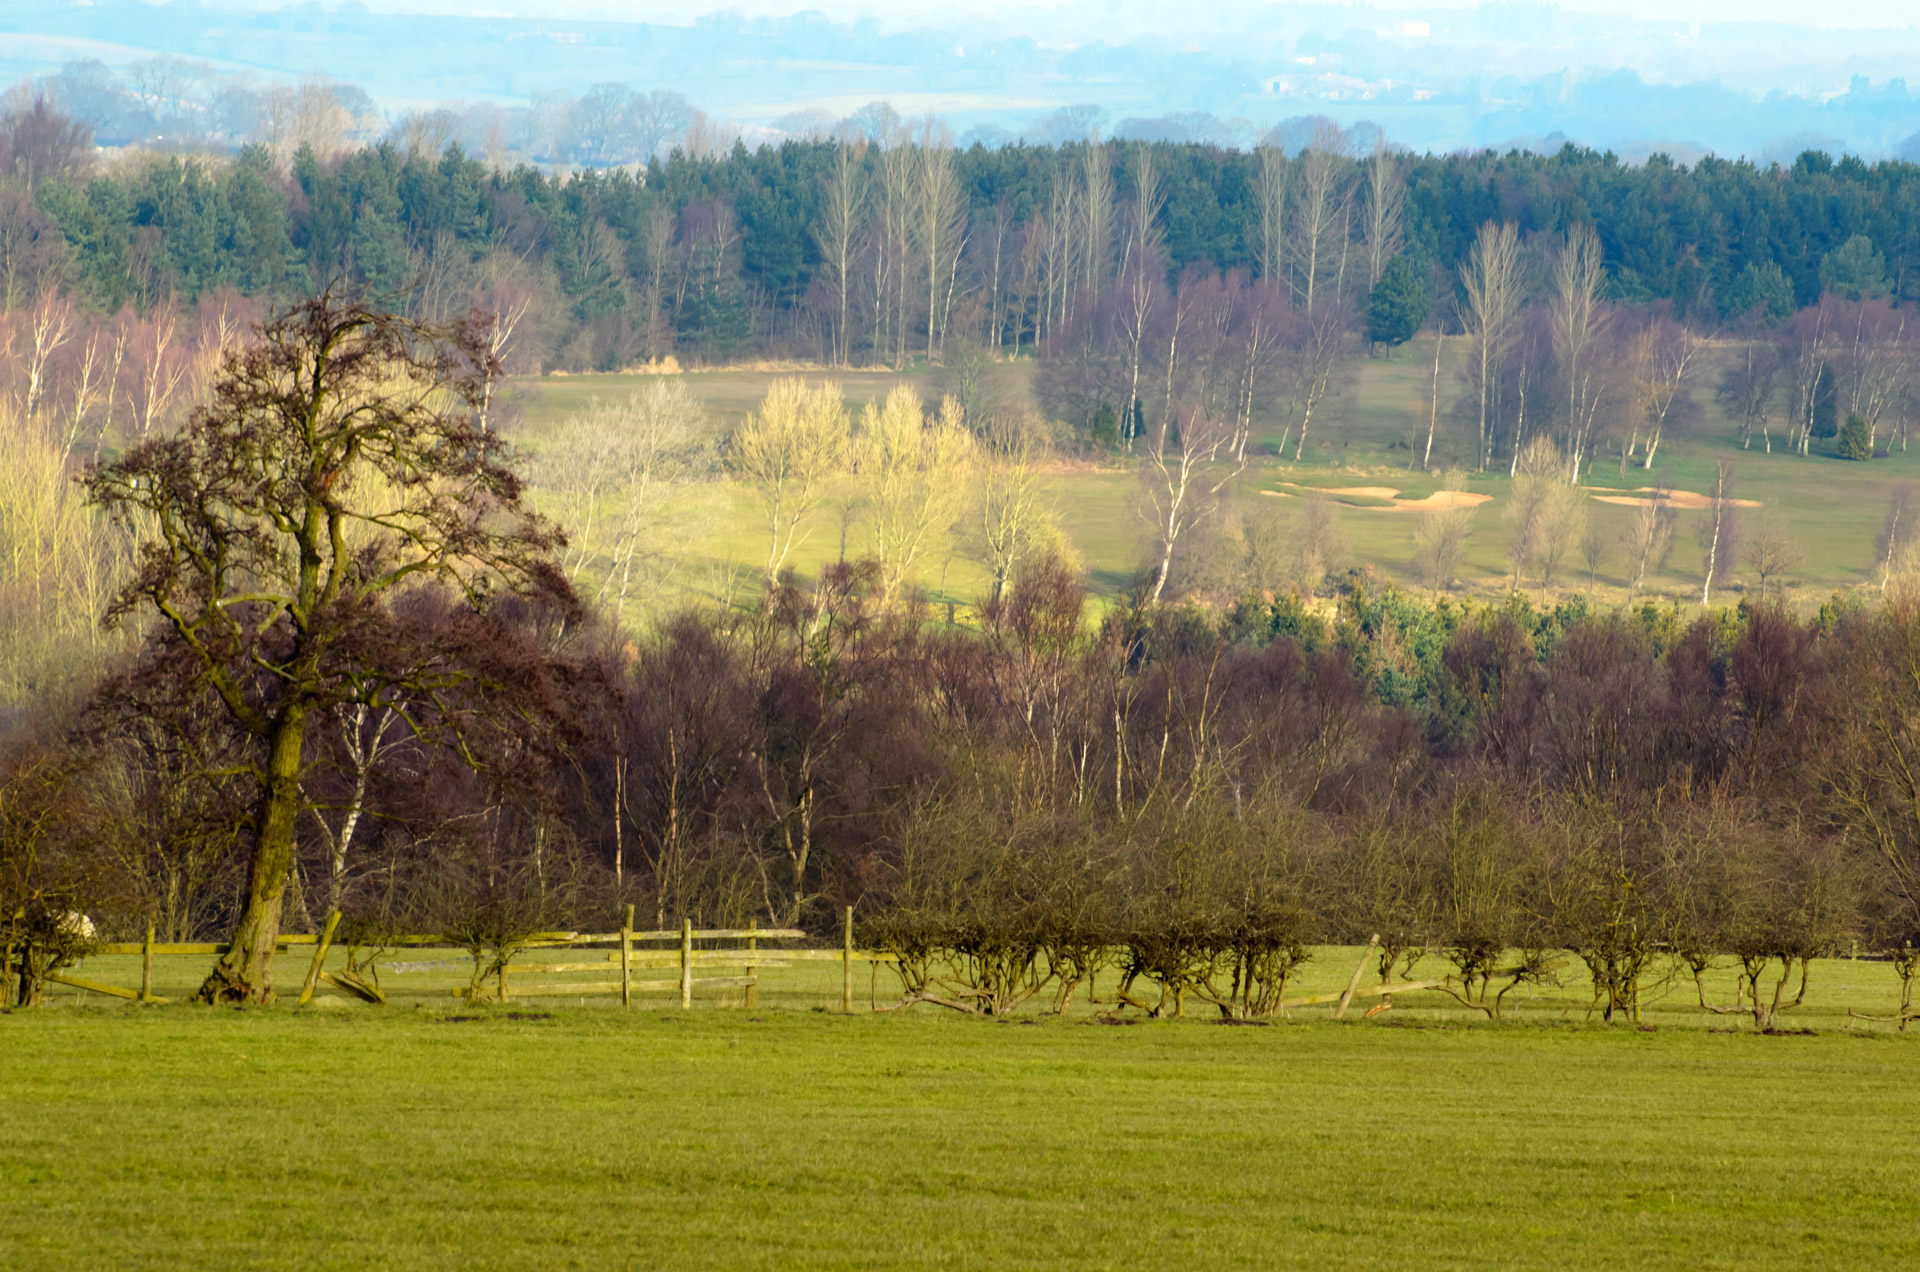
{"points": [[441, 1136], [1833, 509]]}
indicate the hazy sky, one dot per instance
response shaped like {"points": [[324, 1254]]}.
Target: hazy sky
{"points": [[1162, 14], [1833, 13], [1756, 77]]}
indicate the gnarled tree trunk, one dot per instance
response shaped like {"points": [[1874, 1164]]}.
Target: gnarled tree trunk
{"points": [[244, 974]]}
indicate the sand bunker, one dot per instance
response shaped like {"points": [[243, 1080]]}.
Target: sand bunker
{"points": [[1365, 492], [1444, 499], [1437, 500], [1685, 500]]}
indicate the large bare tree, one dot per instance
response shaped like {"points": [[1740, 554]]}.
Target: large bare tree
{"points": [[339, 463]]}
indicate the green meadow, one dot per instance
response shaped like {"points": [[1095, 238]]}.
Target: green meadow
{"points": [[554, 1134]]}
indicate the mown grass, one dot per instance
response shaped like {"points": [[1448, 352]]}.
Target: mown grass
{"points": [[1832, 509], [438, 1135]]}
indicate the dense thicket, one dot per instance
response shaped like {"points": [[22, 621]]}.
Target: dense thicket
{"points": [[1196, 796]]}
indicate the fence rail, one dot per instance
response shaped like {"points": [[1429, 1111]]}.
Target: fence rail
{"points": [[749, 959], [502, 967]]}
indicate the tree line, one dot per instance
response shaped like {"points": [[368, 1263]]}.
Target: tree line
{"points": [[894, 243]]}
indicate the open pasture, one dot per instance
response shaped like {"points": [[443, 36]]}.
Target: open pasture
{"points": [[547, 1135], [1831, 509]]}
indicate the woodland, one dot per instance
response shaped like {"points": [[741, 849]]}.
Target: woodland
{"points": [[289, 631]]}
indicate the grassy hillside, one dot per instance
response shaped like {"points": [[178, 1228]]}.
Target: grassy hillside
{"points": [[1832, 509]]}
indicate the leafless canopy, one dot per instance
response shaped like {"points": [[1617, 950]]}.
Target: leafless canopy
{"points": [[338, 462]]}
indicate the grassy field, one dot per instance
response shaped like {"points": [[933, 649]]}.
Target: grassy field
{"points": [[1831, 508], [436, 1135]]}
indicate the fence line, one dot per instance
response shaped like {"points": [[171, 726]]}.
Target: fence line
{"points": [[749, 959]]}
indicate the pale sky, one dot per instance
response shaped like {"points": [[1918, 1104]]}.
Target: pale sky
{"points": [[1157, 14]]}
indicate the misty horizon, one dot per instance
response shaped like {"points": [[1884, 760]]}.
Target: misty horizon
{"points": [[1428, 78]]}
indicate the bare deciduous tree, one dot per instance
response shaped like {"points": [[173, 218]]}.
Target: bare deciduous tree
{"points": [[786, 450], [1749, 390], [1386, 205], [1665, 353], [939, 226], [1491, 278], [1318, 544], [1771, 553], [1649, 535], [614, 465], [1013, 518], [34, 258], [1541, 511], [1316, 239], [1274, 174], [1578, 321], [38, 143], [1593, 547], [1179, 488], [1440, 544], [338, 463], [842, 213], [1897, 533], [1317, 364], [1097, 208], [916, 473], [1718, 537]]}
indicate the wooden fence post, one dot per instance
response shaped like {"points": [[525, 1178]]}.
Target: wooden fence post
{"points": [[846, 964], [1354, 984], [146, 967], [319, 958], [753, 943], [686, 964], [626, 961]]}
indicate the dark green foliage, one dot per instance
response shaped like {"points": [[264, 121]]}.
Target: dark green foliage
{"points": [[1750, 241], [591, 265], [1761, 291], [1826, 409], [1854, 270], [377, 242], [97, 223], [1104, 428], [1399, 304], [1854, 441]]}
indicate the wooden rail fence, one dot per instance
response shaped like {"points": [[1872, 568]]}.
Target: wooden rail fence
{"points": [[624, 960], [621, 962]]}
